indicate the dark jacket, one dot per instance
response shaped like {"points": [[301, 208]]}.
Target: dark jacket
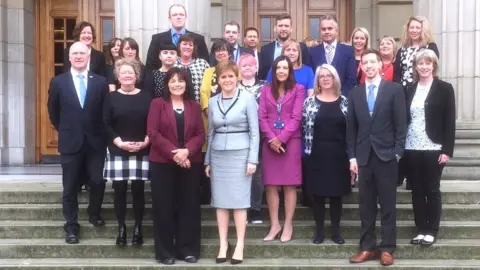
{"points": [[439, 114], [97, 62]]}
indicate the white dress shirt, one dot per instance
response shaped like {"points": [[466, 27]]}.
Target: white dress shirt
{"points": [[76, 81]]}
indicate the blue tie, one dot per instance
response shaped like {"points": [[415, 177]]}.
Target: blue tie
{"points": [[371, 98], [82, 88], [176, 37]]}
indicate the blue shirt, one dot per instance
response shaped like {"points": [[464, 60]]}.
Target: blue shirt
{"points": [[303, 76], [172, 32], [278, 50]]}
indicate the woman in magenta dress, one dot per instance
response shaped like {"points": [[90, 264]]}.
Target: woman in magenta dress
{"points": [[280, 115]]}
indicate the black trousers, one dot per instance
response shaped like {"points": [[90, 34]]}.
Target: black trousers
{"points": [[205, 188], [91, 160], [120, 200], [176, 210], [318, 206], [424, 174], [378, 182]]}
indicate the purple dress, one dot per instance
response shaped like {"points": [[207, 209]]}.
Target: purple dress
{"points": [[282, 169]]}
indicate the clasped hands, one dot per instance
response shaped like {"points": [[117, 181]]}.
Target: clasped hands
{"points": [[276, 145], [131, 147], [181, 157]]}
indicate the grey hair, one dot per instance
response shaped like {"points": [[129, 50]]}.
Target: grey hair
{"points": [[336, 79], [135, 64]]}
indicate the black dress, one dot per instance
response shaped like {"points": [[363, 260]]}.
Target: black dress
{"points": [[327, 171]]}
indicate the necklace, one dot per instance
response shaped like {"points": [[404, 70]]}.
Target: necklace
{"points": [[131, 92]]}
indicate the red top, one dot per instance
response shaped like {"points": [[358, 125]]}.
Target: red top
{"points": [[387, 72]]}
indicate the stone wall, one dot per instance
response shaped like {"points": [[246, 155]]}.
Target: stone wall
{"points": [[17, 82]]}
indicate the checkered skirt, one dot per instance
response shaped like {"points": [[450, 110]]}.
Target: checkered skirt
{"points": [[121, 168]]}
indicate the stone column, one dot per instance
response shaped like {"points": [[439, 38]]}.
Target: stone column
{"points": [[456, 25], [141, 19], [17, 82]]}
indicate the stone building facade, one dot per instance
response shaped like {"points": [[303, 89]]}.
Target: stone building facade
{"points": [[24, 57]]}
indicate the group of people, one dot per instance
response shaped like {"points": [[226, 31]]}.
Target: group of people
{"points": [[236, 121]]}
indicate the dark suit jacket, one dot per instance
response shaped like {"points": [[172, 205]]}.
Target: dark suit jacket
{"points": [[153, 62], [265, 58], [162, 131], [97, 62], [343, 61], [74, 123], [384, 131], [439, 114], [213, 61]]}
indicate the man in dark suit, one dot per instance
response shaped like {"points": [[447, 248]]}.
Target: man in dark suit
{"points": [[177, 15], [272, 50], [339, 55], [376, 131], [75, 102], [231, 32]]}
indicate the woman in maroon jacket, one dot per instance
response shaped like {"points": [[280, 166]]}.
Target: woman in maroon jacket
{"points": [[176, 132]]}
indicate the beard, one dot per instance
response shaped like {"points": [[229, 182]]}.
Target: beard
{"points": [[283, 37]]}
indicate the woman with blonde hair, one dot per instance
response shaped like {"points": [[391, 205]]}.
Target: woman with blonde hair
{"points": [[360, 41], [303, 73], [326, 162], [388, 49], [429, 144], [417, 35]]}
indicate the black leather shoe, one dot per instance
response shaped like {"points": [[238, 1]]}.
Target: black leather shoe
{"points": [[337, 239], [169, 261], [191, 259], [137, 238], [97, 222], [122, 236], [318, 239], [71, 238]]}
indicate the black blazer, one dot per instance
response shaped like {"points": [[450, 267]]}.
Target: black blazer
{"points": [[74, 123], [384, 131], [97, 62], [153, 62], [439, 114], [265, 58], [213, 61]]}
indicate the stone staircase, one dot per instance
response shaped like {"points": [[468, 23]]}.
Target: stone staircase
{"points": [[32, 237]]}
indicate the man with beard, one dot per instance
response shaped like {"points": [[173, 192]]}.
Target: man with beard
{"points": [[178, 17], [376, 130], [272, 50], [231, 31], [332, 52]]}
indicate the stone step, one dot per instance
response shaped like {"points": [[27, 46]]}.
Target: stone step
{"points": [[251, 264], [453, 192], [466, 249], [451, 212], [17, 229]]}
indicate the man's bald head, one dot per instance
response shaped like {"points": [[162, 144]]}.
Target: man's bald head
{"points": [[79, 56]]}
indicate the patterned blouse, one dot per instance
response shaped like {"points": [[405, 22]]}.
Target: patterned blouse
{"points": [[417, 138], [406, 62], [158, 83], [254, 89], [197, 68], [310, 109]]}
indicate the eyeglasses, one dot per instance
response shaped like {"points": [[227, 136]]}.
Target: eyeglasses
{"points": [[329, 76]]}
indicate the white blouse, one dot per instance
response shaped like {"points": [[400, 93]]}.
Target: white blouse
{"points": [[417, 138]]}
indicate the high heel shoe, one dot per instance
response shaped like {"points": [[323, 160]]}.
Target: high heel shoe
{"points": [[288, 239], [137, 238], [276, 236], [122, 236], [236, 261], [227, 255]]}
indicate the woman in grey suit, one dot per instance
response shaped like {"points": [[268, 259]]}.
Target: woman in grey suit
{"points": [[232, 155]]}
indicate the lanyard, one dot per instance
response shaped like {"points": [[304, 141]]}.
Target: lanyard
{"points": [[279, 106]]}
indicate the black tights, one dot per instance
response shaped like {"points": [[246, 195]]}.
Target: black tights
{"points": [[318, 203], [120, 200]]}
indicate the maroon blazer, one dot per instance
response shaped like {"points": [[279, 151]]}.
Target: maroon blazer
{"points": [[162, 131]]}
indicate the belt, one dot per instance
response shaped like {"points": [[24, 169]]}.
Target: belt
{"points": [[227, 132]]}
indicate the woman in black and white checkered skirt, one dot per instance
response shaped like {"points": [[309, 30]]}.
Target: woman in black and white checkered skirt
{"points": [[125, 116]]}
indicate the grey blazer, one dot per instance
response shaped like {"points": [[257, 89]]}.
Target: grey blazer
{"points": [[234, 127]]}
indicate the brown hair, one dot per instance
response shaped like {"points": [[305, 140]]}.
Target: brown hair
{"points": [[289, 83], [133, 44], [232, 23], [283, 17], [187, 38], [78, 29], [370, 51], [248, 29], [225, 66], [111, 44], [291, 42], [427, 55], [176, 5], [310, 42]]}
